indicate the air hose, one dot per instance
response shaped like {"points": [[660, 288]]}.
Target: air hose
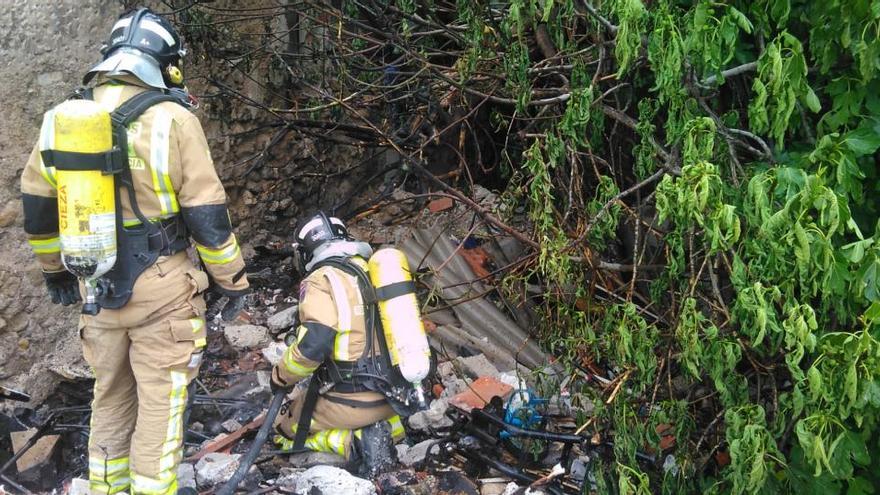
{"points": [[262, 436]]}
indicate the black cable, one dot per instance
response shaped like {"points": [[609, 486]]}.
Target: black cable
{"points": [[262, 435]]}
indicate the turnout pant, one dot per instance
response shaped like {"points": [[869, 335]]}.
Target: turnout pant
{"points": [[144, 355], [334, 425]]}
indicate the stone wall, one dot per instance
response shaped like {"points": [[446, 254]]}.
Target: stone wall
{"points": [[45, 46]]}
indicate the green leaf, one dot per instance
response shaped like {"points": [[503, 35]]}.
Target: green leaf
{"points": [[871, 281], [855, 251], [812, 101], [741, 20], [863, 141], [859, 486], [547, 8], [851, 382], [814, 378]]}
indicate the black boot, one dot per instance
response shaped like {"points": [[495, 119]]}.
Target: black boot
{"points": [[374, 450]]}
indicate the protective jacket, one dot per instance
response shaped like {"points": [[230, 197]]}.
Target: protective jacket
{"points": [[173, 177], [333, 331]]}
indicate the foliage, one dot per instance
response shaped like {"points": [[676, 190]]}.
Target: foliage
{"points": [[722, 154]]}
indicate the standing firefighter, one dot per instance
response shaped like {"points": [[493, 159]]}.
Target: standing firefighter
{"points": [[119, 181], [365, 362]]}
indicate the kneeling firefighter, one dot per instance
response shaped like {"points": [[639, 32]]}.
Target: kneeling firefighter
{"points": [[362, 343], [119, 182]]}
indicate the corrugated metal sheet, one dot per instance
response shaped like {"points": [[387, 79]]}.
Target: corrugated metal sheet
{"points": [[484, 327]]}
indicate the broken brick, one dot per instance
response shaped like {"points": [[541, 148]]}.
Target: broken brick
{"points": [[429, 325], [478, 260], [441, 204], [667, 439]]}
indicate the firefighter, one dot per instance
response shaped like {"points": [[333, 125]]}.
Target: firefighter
{"points": [[336, 333], [145, 344]]}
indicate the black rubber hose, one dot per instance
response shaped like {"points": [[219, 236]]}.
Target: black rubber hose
{"points": [[262, 436]]}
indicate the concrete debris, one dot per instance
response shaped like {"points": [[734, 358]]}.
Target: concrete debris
{"points": [[397, 482], [493, 486], [78, 486], [578, 469], [230, 425], [512, 379], [215, 468], [283, 319], [329, 479], [477, 366], [41, 453], [274, 352], [186, 476], [415, 455], [307, 460], [246, 336], [432, 419], [264, 380], [287, 477]]}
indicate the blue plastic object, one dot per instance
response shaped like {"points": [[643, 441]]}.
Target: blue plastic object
{"points": [[523, 411]]}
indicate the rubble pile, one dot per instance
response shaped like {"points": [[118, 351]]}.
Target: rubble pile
{"points": [[483, 355]]}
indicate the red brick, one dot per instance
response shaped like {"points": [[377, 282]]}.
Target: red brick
{"points": [[441, 204], [480, 392]]}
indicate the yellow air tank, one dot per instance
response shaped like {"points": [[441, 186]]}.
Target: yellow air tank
{"points": [[401, 318], [86, 198]]}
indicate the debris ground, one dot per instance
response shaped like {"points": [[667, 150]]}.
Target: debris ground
{"points": [[481, 353]]}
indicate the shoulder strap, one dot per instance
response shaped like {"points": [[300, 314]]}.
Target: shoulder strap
{"points": [[135, 106]]}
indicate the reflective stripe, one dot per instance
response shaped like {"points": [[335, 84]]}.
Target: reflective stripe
{"points": [[108, 476], [159, 150], [282, 443], [133, 222], [116, 487], [198, 324], [307, 227], [111, 466], [151, 486], [295, 368], [220, 256], [343, 315], [45, 246], [396, 426], [157, 28], [332, 440], [171, 449], [47, 142]]}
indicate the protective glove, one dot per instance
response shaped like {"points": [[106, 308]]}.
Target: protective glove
{"points": [[232, 308], [63, 287], [235, 301], [276, 384]]}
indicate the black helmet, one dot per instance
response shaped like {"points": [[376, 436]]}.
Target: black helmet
{"points": [[315, 231], [145, 45]]}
